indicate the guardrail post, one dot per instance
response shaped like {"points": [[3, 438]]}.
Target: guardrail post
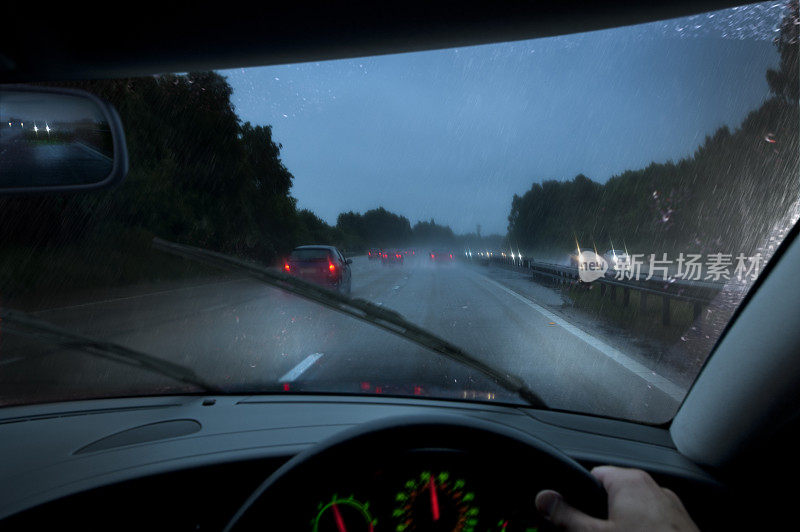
{"points": [[560, 275]]}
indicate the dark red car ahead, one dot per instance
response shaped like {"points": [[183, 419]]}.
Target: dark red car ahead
{"points": [[442, 256], [323, 265], [392, 256]]}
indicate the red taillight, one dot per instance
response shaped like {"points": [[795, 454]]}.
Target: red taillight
{"points": [[331, 267], [433, 256], [451, 255], [286, 267], [397, 255]]}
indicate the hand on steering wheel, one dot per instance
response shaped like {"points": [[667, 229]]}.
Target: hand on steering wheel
{"points": [[635, 502]]}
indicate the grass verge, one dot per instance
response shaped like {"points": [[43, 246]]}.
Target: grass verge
{"points": [[127, 259]]}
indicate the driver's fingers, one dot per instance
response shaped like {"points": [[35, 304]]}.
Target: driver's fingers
{"points": [[558, 512]]}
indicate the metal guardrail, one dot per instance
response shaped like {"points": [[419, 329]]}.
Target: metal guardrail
{"points": [[699, 293]]}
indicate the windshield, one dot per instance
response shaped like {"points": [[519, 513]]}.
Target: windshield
{"points": [[310, 255], [580, 215]]}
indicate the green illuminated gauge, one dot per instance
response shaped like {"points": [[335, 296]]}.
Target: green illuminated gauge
{"points": [[505, 525], [343, 515], [435, 502]]}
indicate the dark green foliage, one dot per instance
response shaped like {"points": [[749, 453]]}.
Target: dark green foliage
{"points": [[197, 175], [375, 228], [784, 81], [431, 234], [384, 229], [731, 192], [313, 230]]}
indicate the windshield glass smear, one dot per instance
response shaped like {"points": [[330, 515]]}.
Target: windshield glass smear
{"points": [[569, 221]]}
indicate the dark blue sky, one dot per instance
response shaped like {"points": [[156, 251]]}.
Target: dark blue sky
{"points": [[453, 134]]}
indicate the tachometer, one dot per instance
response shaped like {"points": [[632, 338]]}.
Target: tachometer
{"points": [[343, 515], [435, 502], [505, 525]]}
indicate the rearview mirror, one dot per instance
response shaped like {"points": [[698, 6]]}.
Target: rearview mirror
{"points": [[58, 140]]}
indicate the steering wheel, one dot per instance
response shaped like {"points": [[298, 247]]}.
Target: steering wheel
{"points": [[528, 464]]}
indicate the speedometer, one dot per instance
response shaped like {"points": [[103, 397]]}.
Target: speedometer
{"points": [[435, 502], [343, 515]]}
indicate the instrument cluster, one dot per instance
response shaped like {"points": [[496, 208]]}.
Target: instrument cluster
{"points": [[426, 491]]}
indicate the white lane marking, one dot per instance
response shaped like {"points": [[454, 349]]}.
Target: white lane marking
{"points": [[298, 370], [92, 151], [640, 370]]}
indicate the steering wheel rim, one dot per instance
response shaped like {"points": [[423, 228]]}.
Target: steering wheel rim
{"points": [[419, 432]]}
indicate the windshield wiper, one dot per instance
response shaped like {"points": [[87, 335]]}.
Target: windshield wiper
{"points": [[358, 308], [20, 323]]}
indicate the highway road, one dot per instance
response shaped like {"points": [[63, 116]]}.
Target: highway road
{"points": [[27, 163], [247, 337]]}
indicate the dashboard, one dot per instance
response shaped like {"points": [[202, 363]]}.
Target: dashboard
{"points": [[285, 462]]}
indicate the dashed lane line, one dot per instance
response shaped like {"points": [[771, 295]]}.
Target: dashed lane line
{"points": [[294, 373]]}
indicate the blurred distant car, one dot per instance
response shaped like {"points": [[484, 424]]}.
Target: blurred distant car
{"points": [[616, 258], [323, 265], [442, 256], [374, 254], [482, 257], [392, 257]]}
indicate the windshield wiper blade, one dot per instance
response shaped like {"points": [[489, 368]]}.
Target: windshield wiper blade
{"points": [[24, 324], [386, 319]]}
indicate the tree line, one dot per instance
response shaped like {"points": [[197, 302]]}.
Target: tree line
{"points": [[198, 175], [735, 188], [381, 228]]}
